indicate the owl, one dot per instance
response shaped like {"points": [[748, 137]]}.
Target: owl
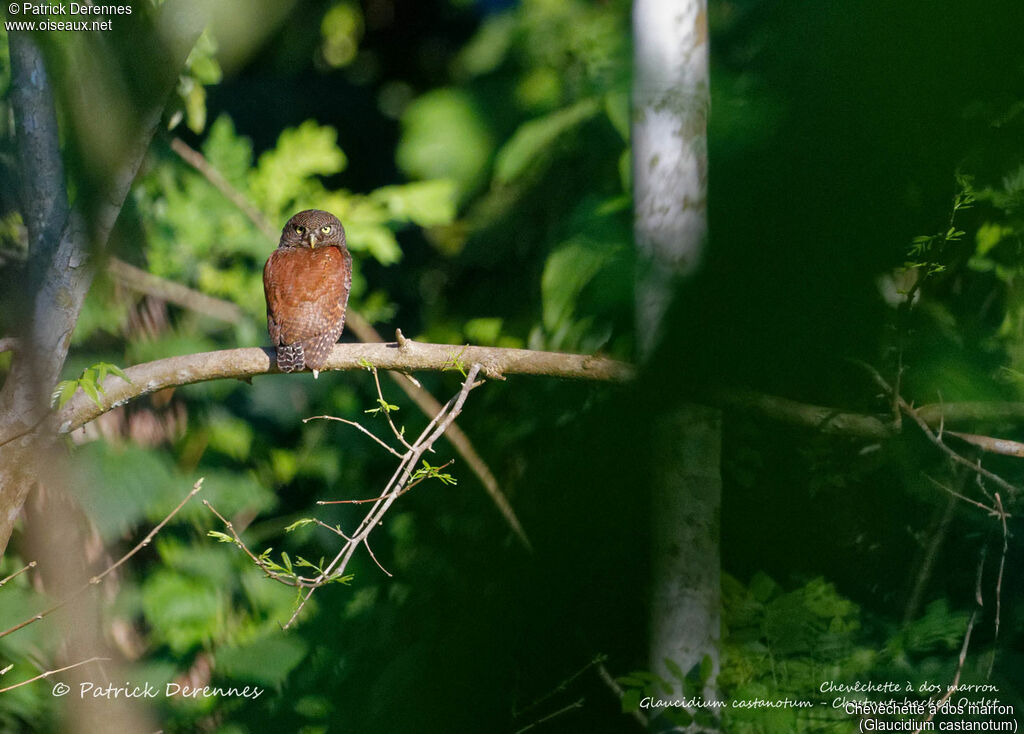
{"points": [[306, 281]]}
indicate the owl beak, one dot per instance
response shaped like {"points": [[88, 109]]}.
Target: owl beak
{"points": [[312, 239]]}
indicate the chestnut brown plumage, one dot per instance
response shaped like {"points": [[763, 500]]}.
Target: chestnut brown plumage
{"points": [[306, 281]]}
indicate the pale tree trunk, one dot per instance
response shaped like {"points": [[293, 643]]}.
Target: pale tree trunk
{"points": [[670, 110]]}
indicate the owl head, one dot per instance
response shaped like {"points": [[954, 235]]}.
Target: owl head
{"points": [[313, 228]]}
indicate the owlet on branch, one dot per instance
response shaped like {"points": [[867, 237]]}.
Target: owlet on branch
{"points": [[306, 281]]}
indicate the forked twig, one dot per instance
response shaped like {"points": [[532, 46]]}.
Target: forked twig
{"points": [[909, 411], [394, 489], [354, 424]]}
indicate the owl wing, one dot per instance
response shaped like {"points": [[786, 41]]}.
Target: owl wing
{"points": [[307, 294]]}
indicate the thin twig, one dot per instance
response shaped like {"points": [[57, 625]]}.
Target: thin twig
{"points": [[561, 687], [384, 406], [152, 533], [988, 510], [617, 690], [354, 424], [923, 425], [31, 564], [577, 704], [366, 542], [48, 673], [97, 579], [429, 405], [395, 486], [336, 531], [999, 581], [405, 489], [956, 679], [297, 581]]}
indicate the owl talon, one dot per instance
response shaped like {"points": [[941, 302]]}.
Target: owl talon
{"points": [[316, 374]]}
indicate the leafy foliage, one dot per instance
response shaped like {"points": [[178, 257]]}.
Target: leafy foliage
{"points": [[90, 382]]}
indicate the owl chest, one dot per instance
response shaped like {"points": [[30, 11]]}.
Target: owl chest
{"points": [[302, 275]]}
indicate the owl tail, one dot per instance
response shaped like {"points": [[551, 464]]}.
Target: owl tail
{"points": [[290, 358], [317, 351]]}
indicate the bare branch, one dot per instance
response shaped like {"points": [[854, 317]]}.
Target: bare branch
{"points": [[456, 436], [354, 424], [956, 678], [988, 510], [993, 445], [167, 290], [48, 673], [971, 412], [395, 487], [196, 159], [825, 420], [366, 542], [936, 439], [387, 411], [245, 363], [31, 564], [617, 690]]}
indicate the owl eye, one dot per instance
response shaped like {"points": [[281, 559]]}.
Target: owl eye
{"points": [[326, 229], [299, 229]]}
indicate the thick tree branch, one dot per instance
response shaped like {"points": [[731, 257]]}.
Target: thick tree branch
{"points": [[44, 201], [62, 239], [820, 418], [167, 290], [407, 356]]}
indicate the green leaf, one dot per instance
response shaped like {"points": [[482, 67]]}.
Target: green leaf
{"points": [[674, 669], [222, 537], [281, 176], [229, 153], [373, 238], [64, 392], [488, 48], [425, 203], [616, 106], [537, 137], [185, 613], [707, 668], [230, 435], [299, 523], [266, 661], [631, 700], [444, 136], [89, 388]]}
